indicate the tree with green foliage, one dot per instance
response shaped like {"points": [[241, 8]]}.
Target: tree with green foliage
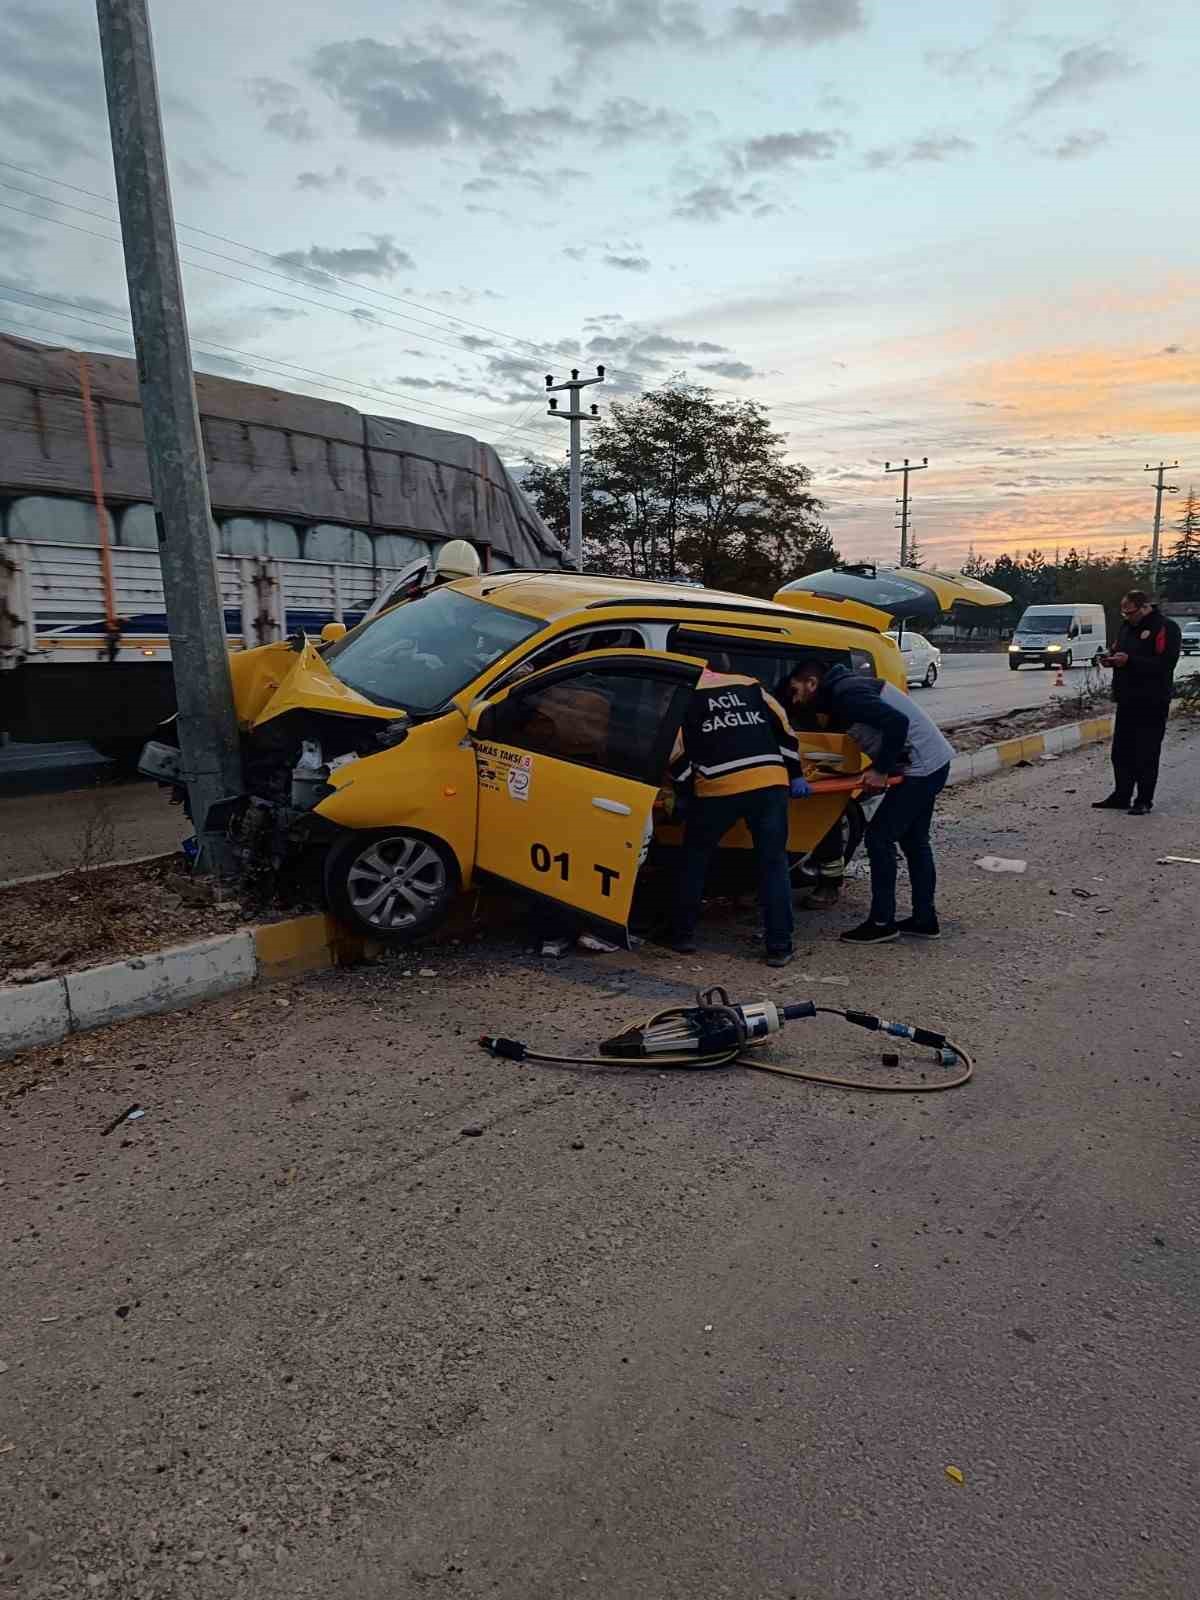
{"points": [[677, 484], [1181, 570]]}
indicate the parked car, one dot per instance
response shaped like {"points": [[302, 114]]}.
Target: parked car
{"points": [[1190, 638], [922, 660]]}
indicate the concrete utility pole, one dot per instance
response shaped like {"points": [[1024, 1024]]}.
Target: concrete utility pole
{"points": [[208, 734], [575, 416], [905, 469], [1160, 488]]}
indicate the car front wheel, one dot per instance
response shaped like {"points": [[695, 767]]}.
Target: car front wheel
{"points": [[393, 885]]}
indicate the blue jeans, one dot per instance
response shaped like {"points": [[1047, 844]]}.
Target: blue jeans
{"points": [[904, 818], [709, 820]]}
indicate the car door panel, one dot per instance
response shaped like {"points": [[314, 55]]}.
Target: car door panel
{"points": [[570, 762]]}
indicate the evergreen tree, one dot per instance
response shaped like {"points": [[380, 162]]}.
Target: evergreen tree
{"points": [[1181, 574]]}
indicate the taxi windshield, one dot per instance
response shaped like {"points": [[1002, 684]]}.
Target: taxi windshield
{"points": [[421, 654]]}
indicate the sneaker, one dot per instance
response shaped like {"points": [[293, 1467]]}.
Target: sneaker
{"points": [[597, 945], [871, 933], [1141, 808], [555, 947], [929, 929], [1112, 803], [684, 945], [781, 958]]}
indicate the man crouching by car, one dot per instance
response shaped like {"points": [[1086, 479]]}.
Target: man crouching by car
{"points": [[903, 741]]}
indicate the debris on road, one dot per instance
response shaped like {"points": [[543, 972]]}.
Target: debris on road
{"points": [[472, 1130], [1178, 861], [955, 1475], [128, 1115], [1001, 864]]}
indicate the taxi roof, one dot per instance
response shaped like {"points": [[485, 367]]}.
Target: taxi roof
{"points": [[555, 596], [551, 595]]}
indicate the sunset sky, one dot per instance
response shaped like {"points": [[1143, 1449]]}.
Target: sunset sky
{"points": [[963, 232]]}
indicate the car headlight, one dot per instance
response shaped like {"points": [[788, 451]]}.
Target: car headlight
{"points": [[1014, 647], [1054, 647]]}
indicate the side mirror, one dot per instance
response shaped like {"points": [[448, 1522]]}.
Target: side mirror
{"points": [[332, 632], [1073, 631]]}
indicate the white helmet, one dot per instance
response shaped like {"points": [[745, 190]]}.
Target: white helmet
{"points": [[457, 559]]}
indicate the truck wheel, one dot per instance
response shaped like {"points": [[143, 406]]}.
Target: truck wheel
{"points": [[393, 885]]}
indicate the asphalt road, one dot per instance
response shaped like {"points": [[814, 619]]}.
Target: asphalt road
{"points": [[357, 1313]]}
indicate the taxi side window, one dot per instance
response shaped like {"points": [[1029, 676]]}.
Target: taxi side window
{"points": [[575, 644], [618, 721]]}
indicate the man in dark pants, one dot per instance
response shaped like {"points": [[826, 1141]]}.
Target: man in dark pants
{"points": [[1143, 666], [900, 740], [739, 757]]}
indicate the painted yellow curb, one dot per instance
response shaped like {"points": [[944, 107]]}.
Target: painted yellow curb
{"points": [[304, 944]]}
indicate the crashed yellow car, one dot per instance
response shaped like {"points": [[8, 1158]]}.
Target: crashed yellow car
{"points": [[516, 728]]}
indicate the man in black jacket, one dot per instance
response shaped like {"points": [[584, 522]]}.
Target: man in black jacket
{"points": [[1143, 666], [901, 741]]}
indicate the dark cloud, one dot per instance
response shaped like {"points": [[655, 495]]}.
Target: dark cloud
{"points": [[287, 116], [592, 30], [624, 120], [1080, 71], [406, 381], [472, 341], [381, 259], [707, 202], [1077, 145], [322, 182], [663, 344], [428, 94], [781, 149], [627, 263], [370, 188], [934, 147], [15, 241], [800, 21], [1172, 350], [730, 369]]}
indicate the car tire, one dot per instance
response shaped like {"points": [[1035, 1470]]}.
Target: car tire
{"points": [[1068, 661], [931, 675], [419, 870], [1014, 666]]}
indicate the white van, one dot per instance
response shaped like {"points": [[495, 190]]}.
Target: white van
{"points": [[1062, 634]]}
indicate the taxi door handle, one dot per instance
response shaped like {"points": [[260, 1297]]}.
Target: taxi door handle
{"points": [[617, 807]]}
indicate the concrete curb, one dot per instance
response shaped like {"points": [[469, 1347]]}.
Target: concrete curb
{"points": [[167, 980], [995, 758]]}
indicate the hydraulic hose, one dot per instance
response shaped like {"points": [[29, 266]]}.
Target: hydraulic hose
{"points": [[715, 1034]]}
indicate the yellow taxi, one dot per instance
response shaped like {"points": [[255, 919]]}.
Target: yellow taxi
{"points": [[516, 728]]}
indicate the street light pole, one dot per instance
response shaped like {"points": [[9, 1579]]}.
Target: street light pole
{"points": [[208, 735], [575, 478]]}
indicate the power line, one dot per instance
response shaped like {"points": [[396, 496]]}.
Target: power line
{"points": [[387, 294]]}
